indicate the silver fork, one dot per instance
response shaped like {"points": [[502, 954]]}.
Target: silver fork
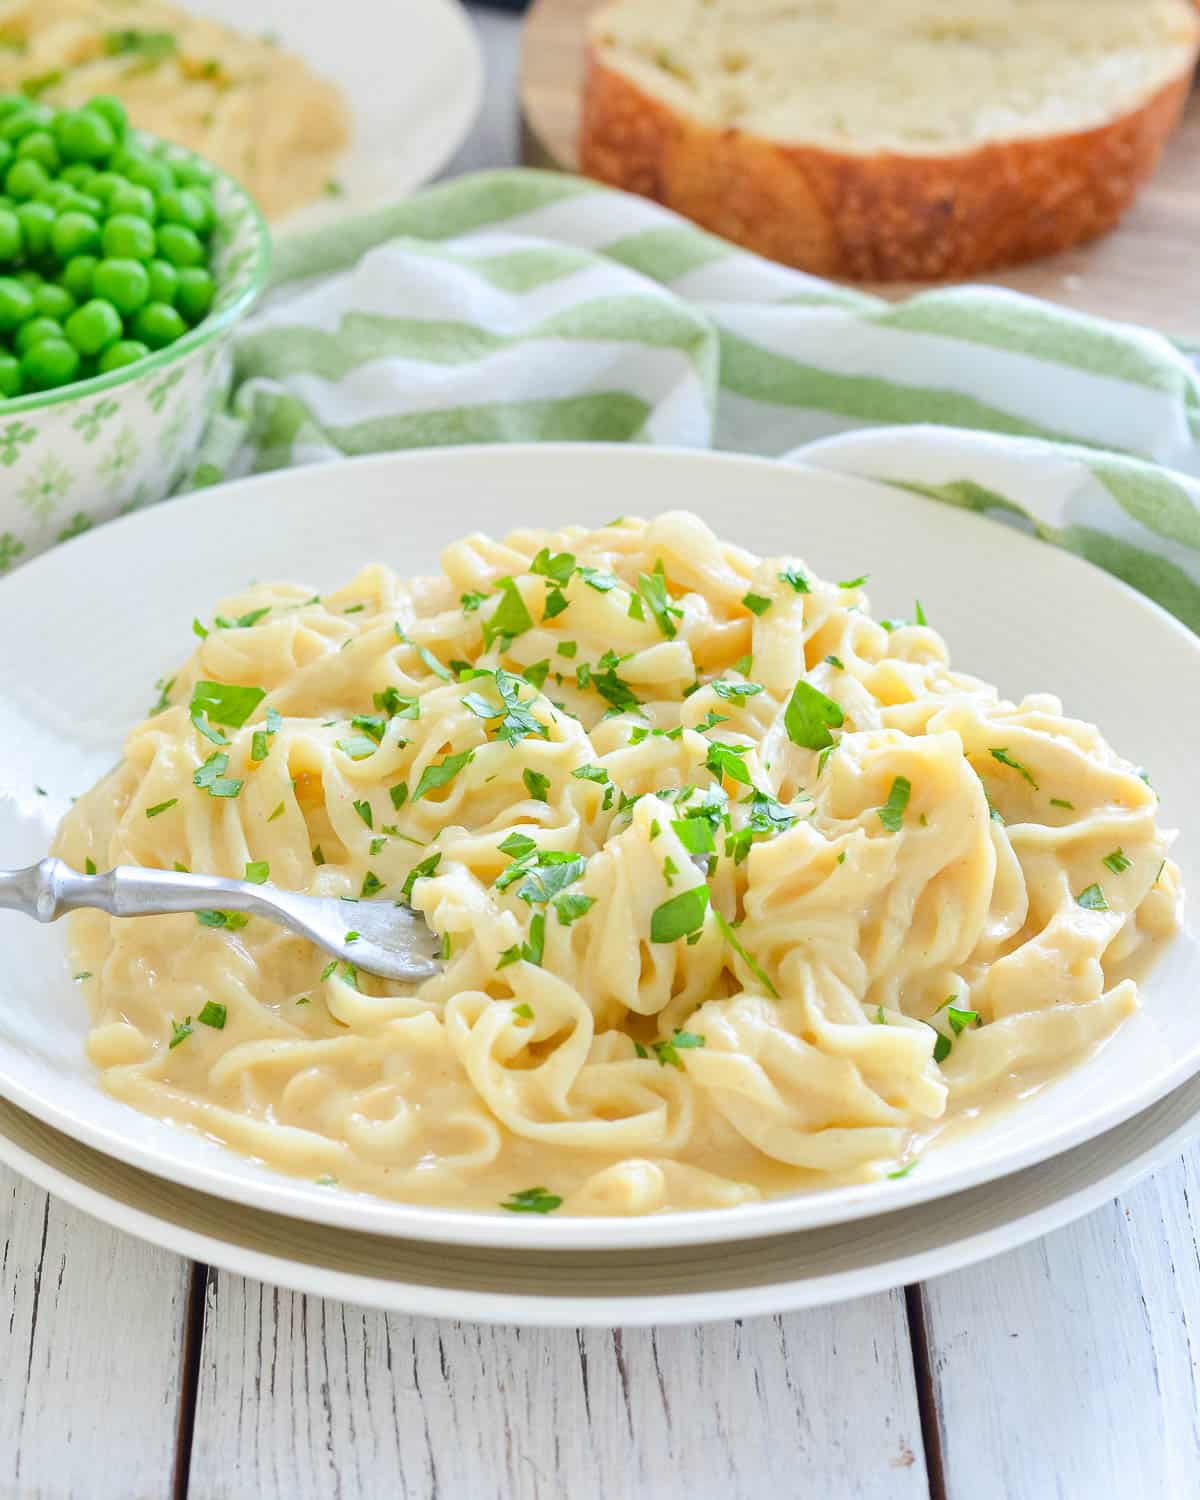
{"points": [[377, 936]]}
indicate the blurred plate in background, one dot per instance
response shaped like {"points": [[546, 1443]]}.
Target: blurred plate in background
{"points": [[412, 74]]}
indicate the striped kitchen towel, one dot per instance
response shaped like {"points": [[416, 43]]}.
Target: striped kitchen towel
{"points": [[531, 306]]}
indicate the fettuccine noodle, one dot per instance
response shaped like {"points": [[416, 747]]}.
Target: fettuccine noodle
{"points": [[741, 890]]}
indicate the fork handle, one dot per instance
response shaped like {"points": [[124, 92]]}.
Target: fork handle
{"points": [[48, 889]]}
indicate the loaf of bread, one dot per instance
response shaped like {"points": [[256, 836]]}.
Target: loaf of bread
{"points": [[899, 140]]}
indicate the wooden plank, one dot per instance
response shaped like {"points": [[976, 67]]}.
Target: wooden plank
{"points": [[1143, 273], [304, 1398], [91, 1339], [1070, 1367]]}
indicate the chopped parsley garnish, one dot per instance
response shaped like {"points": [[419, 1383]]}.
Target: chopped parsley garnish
{"points": [[318, 855], [372, 725], [653, 589], [679, 916], [531, 951], [1062, 802], [558, 567], [352, 937], [601, 777], [556, 602], [371, 885], [942, 1047], [1091, 898], [736, 691], [471, 602], [726, 760], [398, 794], [258, 872], [161, 807], [180, 1031], [836, 661], [747, 958], [82, 975], [920, 614], [423, 871], [354, 609], [905, 1169], [635, 610], [598, 580], [213, 1015], [202, 726], [89, 867], [278, 813], [891, 814], [670, 870], [232, 921], [1118, 861], [517, 721], [150, 46], [434, 665], [613, 689], [809, 716], [356, 746], [757, 604], [854, 583], [534, 1200], [376, 845], [797, 580], [567, 648], [543, 881], [523, 1012], [518, 845], [164, 687], [395, 706], [572, 905], [668, 1052], [225, 702], [510, 618], [536, 784], [536, 673], [366, 812], [1006, 759], [444, 771], [212, 779], [744, 664], [695, 834]]}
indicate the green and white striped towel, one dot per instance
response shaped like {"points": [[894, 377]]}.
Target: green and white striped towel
{"points": [[525, 306]]}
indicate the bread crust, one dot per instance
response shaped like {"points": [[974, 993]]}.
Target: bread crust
{"points": [[882, 217]]}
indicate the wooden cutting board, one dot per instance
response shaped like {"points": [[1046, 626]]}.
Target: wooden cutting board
{"points": [[1146, 271]]}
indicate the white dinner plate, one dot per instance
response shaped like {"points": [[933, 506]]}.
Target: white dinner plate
{"points": [[412, 75], [631, 1288], [93, 624]]}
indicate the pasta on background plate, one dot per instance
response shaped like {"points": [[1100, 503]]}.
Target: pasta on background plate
{"points": [[740, 891]]}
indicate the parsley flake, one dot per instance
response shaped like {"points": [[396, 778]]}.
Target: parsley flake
{"points": [[679, 916], [809, 716], [213, 1015], [441, 773], [1091, 898], [534, 1200], [891, 814], [1118, 861], [1005, 759]]}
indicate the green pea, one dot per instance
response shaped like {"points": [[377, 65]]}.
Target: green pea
{"points": [[56, 194], [179, 245], [104, 183], [84, 135], [11, 239], [52, 301], [6, 153], [126, 237], [77, 276], [113, 111], [126, 352], [85, 203], [36, 221], [183, 206], [35, 330], [150, 173], [193, 173], [95, 325], [26, 178], [30, 278], [11, 104], [164, 281], [39, 146], [50, 363], [11, 383], [21, 123], [195, 295], [124, 283], [158, 324], [16, 303], [128, 198], [79, 174], [74, 233]]}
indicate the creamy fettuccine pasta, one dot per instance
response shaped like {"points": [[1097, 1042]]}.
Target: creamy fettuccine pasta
{"points": [[739, 890]]}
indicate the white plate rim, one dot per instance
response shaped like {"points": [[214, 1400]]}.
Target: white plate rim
{"points": [[1171, 1125], [500, 1231]]}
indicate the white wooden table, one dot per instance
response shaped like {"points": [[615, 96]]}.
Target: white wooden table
{"points": [[1066, 1369]]}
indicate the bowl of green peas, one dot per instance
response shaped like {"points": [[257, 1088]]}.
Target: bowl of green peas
{"points": [[126, 263]]}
